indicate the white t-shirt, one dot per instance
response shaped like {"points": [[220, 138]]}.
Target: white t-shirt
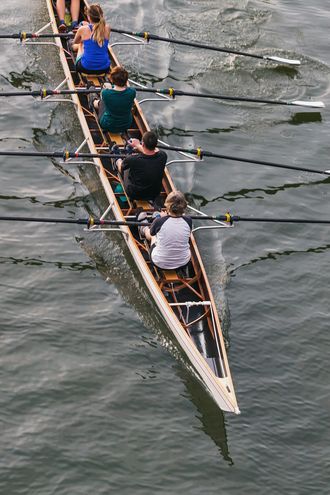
{"points": [[172, 248]]}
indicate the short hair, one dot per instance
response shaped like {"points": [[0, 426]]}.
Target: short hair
{"points": [[150, 140], [119, 76], [176, 203]]}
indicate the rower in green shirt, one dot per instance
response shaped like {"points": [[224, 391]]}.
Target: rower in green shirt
{"points": [[115, 106]]}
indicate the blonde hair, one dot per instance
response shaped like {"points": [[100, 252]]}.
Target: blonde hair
{"points": [[175, 203], [95, 13]]}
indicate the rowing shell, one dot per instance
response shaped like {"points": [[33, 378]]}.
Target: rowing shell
{"points": [[184, 299]]}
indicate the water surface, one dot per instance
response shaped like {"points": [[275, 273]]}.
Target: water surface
{"points": [[94, 397]]}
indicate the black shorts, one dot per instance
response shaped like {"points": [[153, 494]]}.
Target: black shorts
{"points": [[80, 68]]}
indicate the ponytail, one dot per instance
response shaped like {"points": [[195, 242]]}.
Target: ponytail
{"points": [[99, 32], [95, 14]]}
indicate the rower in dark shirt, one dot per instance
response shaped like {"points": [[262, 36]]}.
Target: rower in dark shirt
{"points": [[143, 171]]}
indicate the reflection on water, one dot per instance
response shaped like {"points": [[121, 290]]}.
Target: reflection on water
{"points": [[211, 417], [274, 255], [66, 265], [198, 200], [24, 79], [305, 118]]}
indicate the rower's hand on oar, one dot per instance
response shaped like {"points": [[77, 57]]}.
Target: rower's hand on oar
{"points": [[134, 142], [136, 145]]}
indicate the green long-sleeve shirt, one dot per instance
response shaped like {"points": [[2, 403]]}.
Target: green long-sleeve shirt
{"points": [[117, 116]]}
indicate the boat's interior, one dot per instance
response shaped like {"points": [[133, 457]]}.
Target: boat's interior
{"points": [[186, 290]]}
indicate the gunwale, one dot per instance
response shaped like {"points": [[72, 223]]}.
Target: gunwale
{"points": [[220, 388]]}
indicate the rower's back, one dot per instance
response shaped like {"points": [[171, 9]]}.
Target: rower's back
{"points": [[144, 171]]}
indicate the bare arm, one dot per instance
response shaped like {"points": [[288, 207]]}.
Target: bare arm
{"points": [[81, 35]]}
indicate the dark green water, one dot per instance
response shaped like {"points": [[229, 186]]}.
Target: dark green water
{"points": [[93, 398]]}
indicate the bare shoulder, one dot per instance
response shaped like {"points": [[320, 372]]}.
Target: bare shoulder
{"points": [[84, 31]]}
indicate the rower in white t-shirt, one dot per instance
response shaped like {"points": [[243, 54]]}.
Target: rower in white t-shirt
{"points": [[169, 234]]}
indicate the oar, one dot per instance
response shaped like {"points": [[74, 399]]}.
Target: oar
{"points": [[201, 153], [223, 218], [79, 221], [65, 155], [176, 92], [148, 36], [22, 35], [44, 92], [236, 218]]}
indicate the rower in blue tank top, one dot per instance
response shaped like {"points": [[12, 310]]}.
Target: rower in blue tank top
{"points": [[91, 42]]}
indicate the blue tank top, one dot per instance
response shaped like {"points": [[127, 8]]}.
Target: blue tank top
{"points": [[95, 57]]}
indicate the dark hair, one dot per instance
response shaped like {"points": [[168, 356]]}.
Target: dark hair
{"points": [[119, 76], [150, 140], [175, 203]]}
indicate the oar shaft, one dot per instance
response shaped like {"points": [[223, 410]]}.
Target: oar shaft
{"points": [[43, 92], [58, 154], [148, 36], [200, 152], [223, 97], [176, 92], [236, 218], [268, 164], [23, 35], [79, 221]]}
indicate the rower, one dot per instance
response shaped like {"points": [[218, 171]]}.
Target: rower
{"points": [[74, 9], [169, 234], [117, 99], [143, 170], [91, 42]]}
